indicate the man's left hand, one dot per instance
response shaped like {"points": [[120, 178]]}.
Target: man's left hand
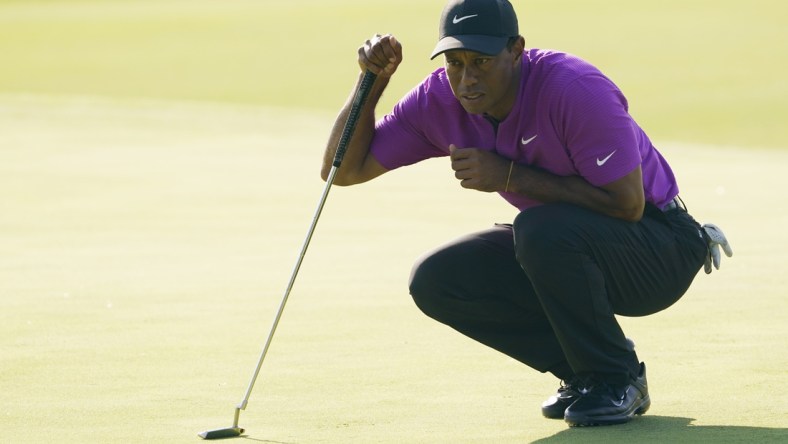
{"points": [[716, 239], [479, 169]]}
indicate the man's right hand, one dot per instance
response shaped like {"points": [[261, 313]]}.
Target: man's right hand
{"points": [[381, 54]]}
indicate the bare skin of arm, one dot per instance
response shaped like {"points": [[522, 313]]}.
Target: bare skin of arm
{"points": [[380, 55], [486, 171]]}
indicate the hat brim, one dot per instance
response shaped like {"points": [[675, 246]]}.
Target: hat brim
{"points": [[484, 44]]}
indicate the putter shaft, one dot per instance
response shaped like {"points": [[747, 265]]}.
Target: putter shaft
{"points": [[350, 125]]}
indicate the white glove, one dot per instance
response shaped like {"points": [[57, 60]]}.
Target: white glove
{"points": [[716, 239]]}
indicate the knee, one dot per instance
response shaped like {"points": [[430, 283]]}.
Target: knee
{"points": [[426, 285], [422, 284]]}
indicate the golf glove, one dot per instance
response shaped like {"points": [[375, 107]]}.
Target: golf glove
{"points": [[716, 239]]}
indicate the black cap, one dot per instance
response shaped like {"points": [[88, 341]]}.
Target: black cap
{"points": [[476, 25]]}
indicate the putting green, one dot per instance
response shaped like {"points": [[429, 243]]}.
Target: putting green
{"points": [[147, 244], [159, 169]]}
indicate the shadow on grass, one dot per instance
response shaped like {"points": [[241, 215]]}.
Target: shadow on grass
{"points": [[263, 440], [664, 429]]}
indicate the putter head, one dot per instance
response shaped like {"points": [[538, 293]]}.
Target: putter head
{"points": [[229, 432]]}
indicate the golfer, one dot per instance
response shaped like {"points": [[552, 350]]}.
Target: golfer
{"points": [[600, 230]]}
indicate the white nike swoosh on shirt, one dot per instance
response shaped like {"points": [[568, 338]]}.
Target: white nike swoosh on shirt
{"points": [[456, 20], [527, 141], [600, 162]]}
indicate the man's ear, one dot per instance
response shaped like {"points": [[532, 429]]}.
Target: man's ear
{"points": [[518, 48]]}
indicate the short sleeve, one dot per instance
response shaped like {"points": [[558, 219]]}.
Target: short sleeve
{"points": [[599, 134], [401, 137]]}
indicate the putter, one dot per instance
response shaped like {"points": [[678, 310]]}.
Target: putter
{"points": [[355, 109]]}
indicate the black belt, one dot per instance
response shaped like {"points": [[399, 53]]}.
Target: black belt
{"points": [[675, 204]]}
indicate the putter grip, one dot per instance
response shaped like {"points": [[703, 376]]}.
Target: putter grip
{"points": [[355, 109]]}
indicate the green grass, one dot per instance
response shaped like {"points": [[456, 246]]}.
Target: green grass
{"points": [[159, 168], [147, 244]]}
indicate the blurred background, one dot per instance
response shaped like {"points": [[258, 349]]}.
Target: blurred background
{"points": [[694, 71]]}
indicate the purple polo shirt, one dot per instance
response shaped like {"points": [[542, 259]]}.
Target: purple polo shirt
{"points": [[569, 119]]}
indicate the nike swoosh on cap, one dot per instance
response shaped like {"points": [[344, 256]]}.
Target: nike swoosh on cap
{"points": [[600, 162], [456, 20]]}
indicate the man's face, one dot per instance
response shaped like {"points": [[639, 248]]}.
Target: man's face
{"points": [[484, 84]]}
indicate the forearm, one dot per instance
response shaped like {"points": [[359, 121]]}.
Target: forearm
{"points": [[356, 166], [621, 199]]}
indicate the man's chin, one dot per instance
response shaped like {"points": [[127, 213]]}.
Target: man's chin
{"points": [[472, 108]]}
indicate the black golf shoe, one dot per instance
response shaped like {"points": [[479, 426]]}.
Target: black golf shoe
{"points": [[569, 392], [604, 404]]}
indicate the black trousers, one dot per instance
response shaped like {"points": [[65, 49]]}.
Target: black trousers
{"points": [[546, 290]]}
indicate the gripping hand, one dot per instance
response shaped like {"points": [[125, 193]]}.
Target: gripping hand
{"points": [[716, 239]]}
